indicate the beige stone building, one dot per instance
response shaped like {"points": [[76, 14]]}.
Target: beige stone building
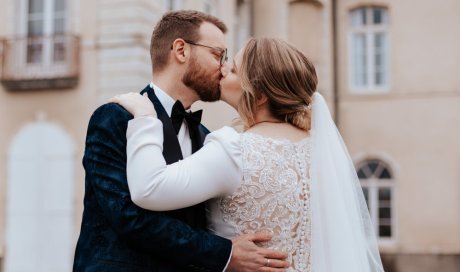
{"points": [[389, 69]]}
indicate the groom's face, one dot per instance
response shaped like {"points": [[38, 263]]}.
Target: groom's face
{"points": [[203, 72]]}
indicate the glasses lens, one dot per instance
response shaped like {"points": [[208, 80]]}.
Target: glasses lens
{"points": [[224, 57]]}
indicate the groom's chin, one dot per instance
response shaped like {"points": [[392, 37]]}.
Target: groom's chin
{"points": [[211, 97]]}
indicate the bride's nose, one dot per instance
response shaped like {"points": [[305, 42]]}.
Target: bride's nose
{"points": [[224, 69]]}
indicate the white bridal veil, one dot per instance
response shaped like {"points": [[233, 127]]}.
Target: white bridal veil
{"points": [[343, 238]]}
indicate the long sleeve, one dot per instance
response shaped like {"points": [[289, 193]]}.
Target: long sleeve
{"points": [[215, 170]]}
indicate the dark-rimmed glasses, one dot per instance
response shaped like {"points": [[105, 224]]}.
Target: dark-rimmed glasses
{"points": [[223, 52]]}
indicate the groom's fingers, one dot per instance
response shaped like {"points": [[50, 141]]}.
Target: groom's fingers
{"points": [[259, 237], [278, 264], [273, 254]]}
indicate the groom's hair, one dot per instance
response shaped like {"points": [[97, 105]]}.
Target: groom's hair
{"points": [[184, 24]]}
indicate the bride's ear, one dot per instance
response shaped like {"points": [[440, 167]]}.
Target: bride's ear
{"points": [[263, 99]]}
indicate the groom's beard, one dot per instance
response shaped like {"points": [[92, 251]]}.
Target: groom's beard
{"points": [[206, 84]]}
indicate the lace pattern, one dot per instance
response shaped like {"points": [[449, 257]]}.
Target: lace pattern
{"points": [[274, 196]]}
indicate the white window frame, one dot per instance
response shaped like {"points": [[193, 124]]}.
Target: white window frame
{"points": [[369, 31], [373, 184], [49, 16]]}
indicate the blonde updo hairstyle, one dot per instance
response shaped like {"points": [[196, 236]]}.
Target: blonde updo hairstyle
{"points": [[284, 75]]}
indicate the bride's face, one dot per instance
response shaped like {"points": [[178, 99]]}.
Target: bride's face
{"points": [[230, 84]]}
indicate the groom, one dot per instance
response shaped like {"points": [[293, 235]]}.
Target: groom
{"points": [[187, 51]]}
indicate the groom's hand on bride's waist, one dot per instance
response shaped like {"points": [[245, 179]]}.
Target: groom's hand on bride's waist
{"points": [[247, 256]]}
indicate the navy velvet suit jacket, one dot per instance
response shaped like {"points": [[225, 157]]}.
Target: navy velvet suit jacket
{"points": [[116, 235]]}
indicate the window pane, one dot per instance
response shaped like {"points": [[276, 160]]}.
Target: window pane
{"points": [[385, 174], [59, 5], [366, 196], [34, 51], [384, 213], [385, 231], [35, 27], [358, 17], [384, 194], [59, 51], [175, 4], [378, 78], [373, 166], [35, 6], [366, 193], [59, 25], [379, 58], [359, 60], [361, 174], [378, 15]]}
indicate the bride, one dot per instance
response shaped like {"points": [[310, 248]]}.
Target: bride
{"points": [[289, 173]]}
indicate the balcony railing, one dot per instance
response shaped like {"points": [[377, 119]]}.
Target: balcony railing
{"points": [[43, 62]]}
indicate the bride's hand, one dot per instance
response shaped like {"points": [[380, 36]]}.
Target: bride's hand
{"points": [[138, 105]]}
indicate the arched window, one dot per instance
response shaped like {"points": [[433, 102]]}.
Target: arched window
{"points": [[368, 49], [377, 183]]}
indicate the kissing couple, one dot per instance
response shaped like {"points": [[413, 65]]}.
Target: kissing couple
{"points": [[162, 193]]}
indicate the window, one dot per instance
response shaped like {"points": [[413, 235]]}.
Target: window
{"points": [[377, 184], [210, 7], [369, 49], [45, 19], [174, 4], [243, 23]]}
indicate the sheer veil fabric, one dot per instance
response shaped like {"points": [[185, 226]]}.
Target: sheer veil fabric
{"points": [[342, 237]]}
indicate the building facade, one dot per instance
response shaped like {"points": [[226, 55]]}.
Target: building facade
{"points": [[389, 70]]}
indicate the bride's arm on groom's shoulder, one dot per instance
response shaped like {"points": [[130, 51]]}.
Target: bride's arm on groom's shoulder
{"points": [[213, 171]]}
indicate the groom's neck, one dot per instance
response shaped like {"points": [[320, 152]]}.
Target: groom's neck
{"points": [[173, 86]]}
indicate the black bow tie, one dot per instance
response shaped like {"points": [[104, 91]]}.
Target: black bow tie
{"points": [[178, 115]]}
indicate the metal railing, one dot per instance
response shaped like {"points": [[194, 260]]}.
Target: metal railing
{"points": [[39, 58]]}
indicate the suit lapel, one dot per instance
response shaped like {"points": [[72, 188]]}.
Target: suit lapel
{"points": [[171, 147]]}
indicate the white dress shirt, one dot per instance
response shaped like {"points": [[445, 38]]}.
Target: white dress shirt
{"points": [[184, 135]]}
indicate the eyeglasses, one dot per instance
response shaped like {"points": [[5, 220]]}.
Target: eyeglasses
{"points": [[223, 52]]}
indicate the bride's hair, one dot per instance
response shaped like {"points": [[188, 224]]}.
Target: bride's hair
{"points": [[276, 69]]}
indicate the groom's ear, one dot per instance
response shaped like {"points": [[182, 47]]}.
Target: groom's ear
{"points": [[180, 51]]}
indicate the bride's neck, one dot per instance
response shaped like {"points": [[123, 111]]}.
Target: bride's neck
{"points": [[263, 115]]}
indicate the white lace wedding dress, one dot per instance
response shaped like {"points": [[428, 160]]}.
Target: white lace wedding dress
{"points": [[254, 184], [273, 196]]}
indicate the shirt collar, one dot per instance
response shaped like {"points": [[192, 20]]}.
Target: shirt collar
{"points": [[166, 101]]}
